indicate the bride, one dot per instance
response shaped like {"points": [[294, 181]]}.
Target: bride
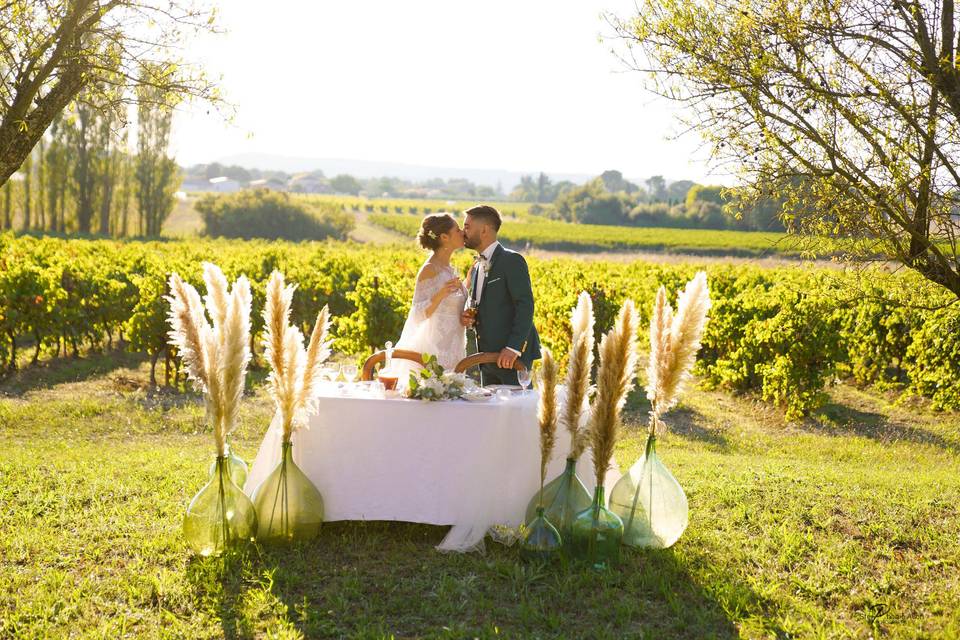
{"points": [[433, 324]]}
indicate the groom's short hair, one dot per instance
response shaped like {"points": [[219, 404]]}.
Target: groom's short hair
{"points": [[486, 213]]}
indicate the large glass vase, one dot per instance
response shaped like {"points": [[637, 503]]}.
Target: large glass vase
{"points": [[650, 502], [596, 534], [288, 506], [542, 542], [220, 515], [563, 498], [236, 467]]}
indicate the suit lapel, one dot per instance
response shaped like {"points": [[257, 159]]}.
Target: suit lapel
{"points": [[493, 261]]}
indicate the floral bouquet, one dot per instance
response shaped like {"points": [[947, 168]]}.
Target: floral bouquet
{"points": [[433, 383]]}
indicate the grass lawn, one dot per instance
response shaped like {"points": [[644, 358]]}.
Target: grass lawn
{"points": [[847, 525]]}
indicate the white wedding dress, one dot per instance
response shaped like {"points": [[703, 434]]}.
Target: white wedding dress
{"points": [[441, 334]]}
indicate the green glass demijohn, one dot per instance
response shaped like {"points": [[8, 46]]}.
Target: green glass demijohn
{"points": [[542, 542], [650, 502], [236, 467], [288, 506], [596, 534], [220, 516], [563, 498]]}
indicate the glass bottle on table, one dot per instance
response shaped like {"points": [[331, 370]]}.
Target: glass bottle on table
{"points": [[387, 376]]}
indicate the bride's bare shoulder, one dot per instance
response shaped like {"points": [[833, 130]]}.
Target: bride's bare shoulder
{"points": [[427, 271]]}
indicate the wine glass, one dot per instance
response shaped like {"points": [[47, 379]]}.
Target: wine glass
{"points": [[350, 372], [330, 372], [523, 377]]}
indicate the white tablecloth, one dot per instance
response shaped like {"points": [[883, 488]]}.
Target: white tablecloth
{"points": [[470, 465]]}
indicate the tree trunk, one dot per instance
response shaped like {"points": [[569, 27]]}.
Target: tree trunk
{"points": [[36, 351], [13, 351], [41, 186], [8, 205], [27, 171]]}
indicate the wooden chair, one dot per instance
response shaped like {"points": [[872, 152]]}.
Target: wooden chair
{"points": [[485, 358], [380, 357]]}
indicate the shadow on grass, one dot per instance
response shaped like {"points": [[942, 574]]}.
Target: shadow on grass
{"points": [[837, 419], [49, 373], [376, 579], [683, 421]]}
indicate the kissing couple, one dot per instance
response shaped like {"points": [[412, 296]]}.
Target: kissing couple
{"points": [[496, 299]]}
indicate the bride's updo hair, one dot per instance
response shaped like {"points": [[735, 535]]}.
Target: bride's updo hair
{"points": [[432, 227]]}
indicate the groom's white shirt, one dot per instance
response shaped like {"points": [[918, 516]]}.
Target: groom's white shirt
{"points": [[481, 275]]}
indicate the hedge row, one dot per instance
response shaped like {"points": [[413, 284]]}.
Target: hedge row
{"points": [[782, 333]]}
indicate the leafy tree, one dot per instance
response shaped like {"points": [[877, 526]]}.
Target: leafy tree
{"points": [[157, 174], [677, 191], [848, 111], [656, 189], [262, 213], [592, 204], [344, 183], [51, 51], [614, 181]]}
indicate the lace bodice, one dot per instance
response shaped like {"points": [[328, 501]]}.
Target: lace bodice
{"points": [[441, 334]]}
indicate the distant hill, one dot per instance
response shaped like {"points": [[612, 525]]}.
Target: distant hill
{"points": [[374, 169]]}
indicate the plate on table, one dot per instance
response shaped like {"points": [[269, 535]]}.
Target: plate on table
{"points": [[508, 387], [478, 395]]}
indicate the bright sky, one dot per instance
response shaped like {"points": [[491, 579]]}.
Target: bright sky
{"points": [[500, 84]]}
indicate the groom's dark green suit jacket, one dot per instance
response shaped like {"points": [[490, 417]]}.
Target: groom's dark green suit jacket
{"points": [[505, 312]]}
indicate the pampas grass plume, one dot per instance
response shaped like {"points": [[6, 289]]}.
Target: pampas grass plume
{"points": [[674, 343], [618, 362], [547, 410], [294, 371], [579, 367]]}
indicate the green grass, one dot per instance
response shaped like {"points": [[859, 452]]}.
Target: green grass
{"points": [[565, 236], [843, 526]]}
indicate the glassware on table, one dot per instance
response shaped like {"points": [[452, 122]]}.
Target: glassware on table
{"points": [[524, 378], [350, 372], [330, 372], [503, 394]]}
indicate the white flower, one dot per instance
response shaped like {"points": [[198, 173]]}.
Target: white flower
{"points": [[435, 385]]}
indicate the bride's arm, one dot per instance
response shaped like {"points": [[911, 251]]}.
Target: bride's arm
{"points": [[427, 296]]}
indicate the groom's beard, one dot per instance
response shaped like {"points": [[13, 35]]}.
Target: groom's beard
{"points": [[469, 243]]}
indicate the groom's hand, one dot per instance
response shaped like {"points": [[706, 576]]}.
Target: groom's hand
{"points": [[507, 358]]}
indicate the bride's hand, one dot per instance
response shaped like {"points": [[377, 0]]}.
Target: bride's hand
{"points": [[452, 285]]}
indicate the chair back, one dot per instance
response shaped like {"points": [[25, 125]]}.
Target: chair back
{"points": [[485, 358], [381, 356]]}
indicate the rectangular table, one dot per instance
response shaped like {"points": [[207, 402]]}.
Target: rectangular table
{"points": [[470, 465]]}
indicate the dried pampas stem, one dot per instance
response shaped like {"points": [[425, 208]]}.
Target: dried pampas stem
{"points": [[317, 353], [547, 413], [294, 371], [618, 362], [215, 357], [674, 343], [188, 327], [578, 373], [234, 346], [217, 298]]}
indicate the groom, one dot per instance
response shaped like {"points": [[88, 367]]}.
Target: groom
{"points": [[500, 286]]}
